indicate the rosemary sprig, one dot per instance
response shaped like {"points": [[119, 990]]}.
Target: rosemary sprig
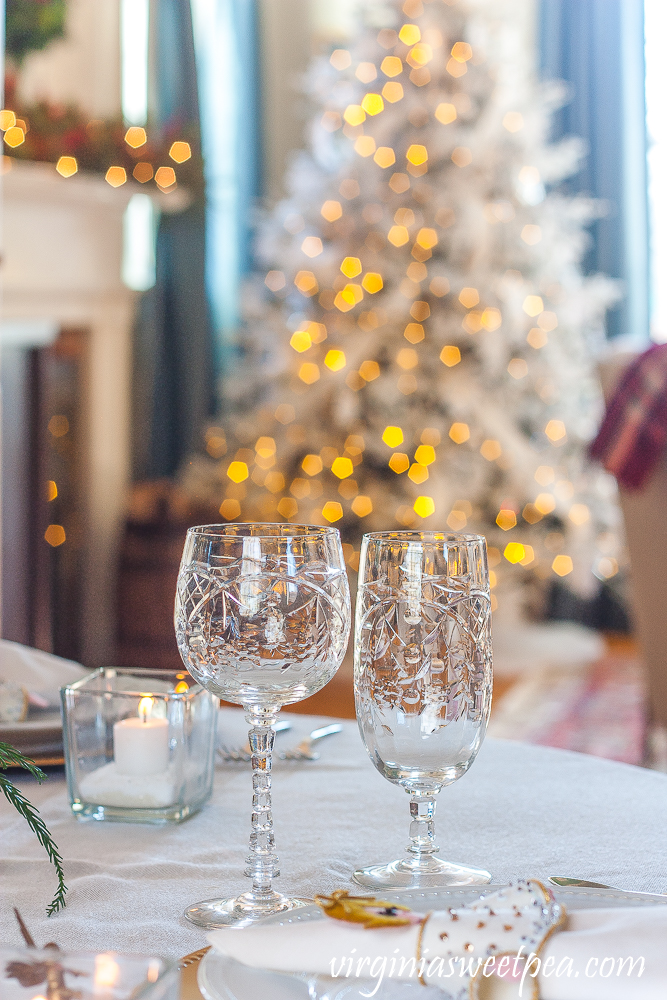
{"points": [[9, 756]]}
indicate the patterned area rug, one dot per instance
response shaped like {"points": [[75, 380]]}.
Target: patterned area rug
{"points": [[599, 709]]}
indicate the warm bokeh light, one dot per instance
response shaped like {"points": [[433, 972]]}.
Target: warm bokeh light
{"points": [[306, 282], [555, 430], [51, 490], [544, 475], [426, 238], [459, 433], [562, 565], [351, 267], [354, 114], [461, 51], [537, 338], [420, 310], [418, 473], [461, 156], [335, 360], [312, 246], [579, 513], [300, 341], [392, 436], [340, 59], [58, 425], [366, 72], [420, 54], [275, 280], [514, 552], [331, 210], [407, 358], [410, 34], [391, 66], [392, 91], [424, 506], [115, 176], [491, 450], [287, 507], [372, 104], [425, 454], [332, 511], [506, 519], [398, 236], [312, 465], [265, 446], [531, 235], [399, 462], [369, 370], [362, 506], [165, 178], [548, 321], [533, 305], [14, 136], [342, 467], [446, 113], [230, 509], [143, 172], [517, 368], [450, 355], [385, 157], [55, 535], [67, 166], [414, 333], [513, 121], [7, 119], [491, 319], [468, 297], [136, 136], [416, 154], [372, 282], [364, 145], [180, 151], [544, 503], [237, 471], [309, 372]]}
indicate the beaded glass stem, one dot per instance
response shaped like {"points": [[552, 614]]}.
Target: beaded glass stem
{"points": [[262, 620]]}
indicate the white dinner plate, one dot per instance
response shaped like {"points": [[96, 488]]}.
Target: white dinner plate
{"points": [[41, 735], [223, 978]]}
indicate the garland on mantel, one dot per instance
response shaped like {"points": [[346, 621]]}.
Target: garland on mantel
{"points": [[71, 141]]}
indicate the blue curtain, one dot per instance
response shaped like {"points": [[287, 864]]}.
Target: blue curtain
{"points": [[597, 47], [226, 47], [174, 350]]}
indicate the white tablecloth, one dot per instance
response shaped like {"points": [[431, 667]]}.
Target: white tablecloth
{"points": [[520, 811]]}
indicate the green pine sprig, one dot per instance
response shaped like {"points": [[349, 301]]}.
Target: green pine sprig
{"points": [[9, 757]]}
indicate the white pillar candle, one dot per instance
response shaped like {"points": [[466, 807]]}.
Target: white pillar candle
{"points": [[141, 745]]}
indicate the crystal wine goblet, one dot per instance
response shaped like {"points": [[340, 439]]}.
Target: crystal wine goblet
{"points": [[422, 681], [262, 620]]}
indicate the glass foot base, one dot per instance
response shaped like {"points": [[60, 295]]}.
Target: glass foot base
{"points": [[239, 911], [405, 874]]}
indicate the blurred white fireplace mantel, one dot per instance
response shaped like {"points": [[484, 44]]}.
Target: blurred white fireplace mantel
{"points": [[63, 243]]}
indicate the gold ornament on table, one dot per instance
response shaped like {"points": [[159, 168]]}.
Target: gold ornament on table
{"points": [[367, 910]]}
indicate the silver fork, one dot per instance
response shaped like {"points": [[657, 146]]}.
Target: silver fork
{"points": [[304, 750], [243, 753]]}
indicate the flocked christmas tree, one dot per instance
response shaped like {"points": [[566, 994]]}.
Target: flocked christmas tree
{"points": [[418, 350]]}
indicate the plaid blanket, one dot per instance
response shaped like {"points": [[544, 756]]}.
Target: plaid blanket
{"points": [[633, 434]]}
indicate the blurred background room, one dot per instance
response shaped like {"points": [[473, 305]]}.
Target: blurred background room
{"points": [[377, 264]]}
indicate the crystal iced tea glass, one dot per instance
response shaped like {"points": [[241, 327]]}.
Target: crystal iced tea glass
{"points": [[422, 681], [262, 620]]}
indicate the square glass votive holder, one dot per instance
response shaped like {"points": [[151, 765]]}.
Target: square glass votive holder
{"points": [[139, 745]]}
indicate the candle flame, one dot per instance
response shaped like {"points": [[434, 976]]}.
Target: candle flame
{"points": [[145, 706]]}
